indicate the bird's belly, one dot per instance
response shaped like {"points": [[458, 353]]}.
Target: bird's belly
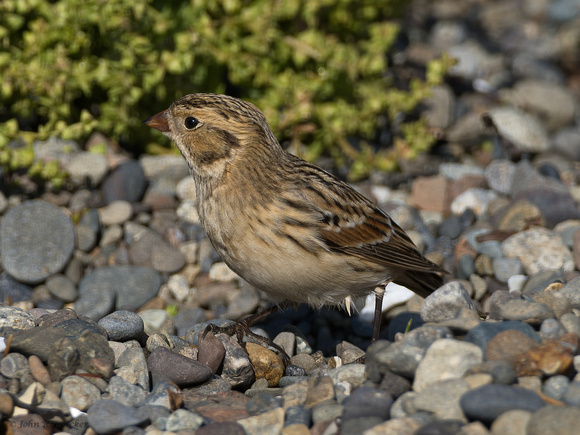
{"points": [[288, 272]]}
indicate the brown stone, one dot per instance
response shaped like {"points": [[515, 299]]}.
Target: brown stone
{"points": [[551, 358], [220, 407], [38, 370], [211, 351], [430, 193], [508, 345], [266, 363]]}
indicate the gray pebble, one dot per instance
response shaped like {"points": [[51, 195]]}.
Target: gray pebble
{"points": [[490, 401], [37, 241], [446, 302], [110, 416], [556, 386], [78, 392], [62, 288], [126, 393], [182, 419], [122, 325]]}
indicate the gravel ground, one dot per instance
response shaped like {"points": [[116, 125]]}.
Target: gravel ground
{"points": [[107, 284]]}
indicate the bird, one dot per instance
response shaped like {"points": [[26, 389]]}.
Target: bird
{"points": [[284, 225]]}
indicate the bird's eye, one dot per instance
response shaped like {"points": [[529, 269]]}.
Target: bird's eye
{"points": [[191, 122]]}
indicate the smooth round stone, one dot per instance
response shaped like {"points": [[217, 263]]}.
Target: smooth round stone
{"points": [[14, 366], [96, 304], [134, 285], [490, 401], [14, 317], [167, 259], [446, 302], [86, 238], [211, 352], [446, 359], [524, 310], [111, 416], [37, 241], [441, 399], [116, 213], [367, 402], [78, 392], [291, 379], [180, 369], [85, 166], [572, 394], [13, 290], [538, 249], [556, 386], [122, 325], [62, 288], [521, 129], [466, 267], [269, 422], [499, 175], [485, 331], [451, 227], [554, 420], [127, 183], [551, 329], [505, 268], [511, 423]]}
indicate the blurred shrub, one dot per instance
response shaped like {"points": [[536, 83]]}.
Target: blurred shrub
{"points": [[315, 67]]}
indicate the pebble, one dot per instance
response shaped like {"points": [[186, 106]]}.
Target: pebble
{"points": [[132, 285], [446, 302], [127, 182], [487, 403], [446, 359], [556, 420], [16, 318], [122, 325], [86, 166], [110, 416], [180, 369], [62, 288], [520, 128], [78, 392], [37, 241]]}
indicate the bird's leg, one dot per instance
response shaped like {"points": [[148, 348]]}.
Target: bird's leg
{"points": [[379, 293], [242, 327]]}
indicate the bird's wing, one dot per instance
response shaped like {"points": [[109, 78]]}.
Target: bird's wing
{"points": [[352, 224]]}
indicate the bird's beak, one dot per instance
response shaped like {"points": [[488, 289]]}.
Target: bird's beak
{"points": [[158, 122]]}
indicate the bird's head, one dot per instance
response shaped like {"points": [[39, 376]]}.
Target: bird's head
{"points": [[213, 131]]}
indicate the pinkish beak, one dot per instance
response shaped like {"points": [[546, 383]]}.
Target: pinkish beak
{"points": [[158, 122]]}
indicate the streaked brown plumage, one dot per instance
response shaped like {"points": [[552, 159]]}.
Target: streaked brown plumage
{"points": [[284, 225]]}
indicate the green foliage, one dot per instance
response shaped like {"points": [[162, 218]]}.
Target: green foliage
{"points": [[315, 67]]}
